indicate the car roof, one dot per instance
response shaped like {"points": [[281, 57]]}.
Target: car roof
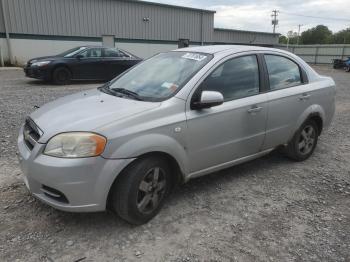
{"points": [[92, 46], [213, 49]]}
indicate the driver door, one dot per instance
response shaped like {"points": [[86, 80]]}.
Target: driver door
{"points": [[234, 129]]}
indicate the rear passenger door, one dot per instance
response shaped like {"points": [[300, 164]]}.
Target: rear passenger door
{"points": [[288, 98], [115, 62]]}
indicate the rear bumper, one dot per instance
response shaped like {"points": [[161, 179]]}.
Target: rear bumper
{"points": [[37, 72], [84, 182]]}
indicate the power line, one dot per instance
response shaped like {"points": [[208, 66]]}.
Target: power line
{"points": [[317, 17]]}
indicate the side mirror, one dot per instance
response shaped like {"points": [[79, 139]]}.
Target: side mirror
{"points": [[79, 57], [208, 99]]}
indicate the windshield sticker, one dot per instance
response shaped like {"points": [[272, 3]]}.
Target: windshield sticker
{"points": [[170, 86], [194, 56]]}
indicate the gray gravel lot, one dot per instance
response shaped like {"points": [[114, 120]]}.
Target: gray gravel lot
{"points": [[270, 209]]}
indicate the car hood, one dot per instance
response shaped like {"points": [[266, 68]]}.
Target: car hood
{"points": [[42, 58], [85, 111]]}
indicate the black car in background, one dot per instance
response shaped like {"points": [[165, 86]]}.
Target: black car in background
{"points": [[81, 63]]}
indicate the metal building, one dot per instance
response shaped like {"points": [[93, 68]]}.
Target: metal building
{"points": [[31, 28]]}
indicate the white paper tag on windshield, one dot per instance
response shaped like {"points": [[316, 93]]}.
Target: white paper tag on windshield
{"points": [[194, 56], [169, 85]]}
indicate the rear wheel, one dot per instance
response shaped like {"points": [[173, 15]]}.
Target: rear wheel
{"points": [[61, 76], [139, 193], [304, 141]]}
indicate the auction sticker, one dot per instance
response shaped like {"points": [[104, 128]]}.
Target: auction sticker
{"points": [[194, 56]]}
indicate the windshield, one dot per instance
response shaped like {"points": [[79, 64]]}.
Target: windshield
{"points": [[72, 52], [161, 76]]}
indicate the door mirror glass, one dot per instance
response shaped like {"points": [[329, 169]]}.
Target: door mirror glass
{"points": [[208, 99]]}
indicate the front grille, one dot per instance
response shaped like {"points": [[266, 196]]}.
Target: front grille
{"points": [[54, 194], [31, 133]]}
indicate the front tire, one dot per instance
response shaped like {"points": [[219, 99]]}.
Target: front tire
{"points": [[139, 193], [304, 141], [61, 76]]}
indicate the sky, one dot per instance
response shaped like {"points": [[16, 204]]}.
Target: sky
{"points": [[255, 15]]}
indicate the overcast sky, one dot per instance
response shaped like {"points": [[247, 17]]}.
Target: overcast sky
{"points": [[255, 14]]}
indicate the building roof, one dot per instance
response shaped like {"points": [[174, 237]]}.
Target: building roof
{"points": [[245, 31], [212, 49], [172, 6]]}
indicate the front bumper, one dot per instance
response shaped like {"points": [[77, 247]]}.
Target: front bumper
{"points": [[84, 182], [37, 72]]}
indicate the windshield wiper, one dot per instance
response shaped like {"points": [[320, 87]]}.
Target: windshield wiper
{"points": [[105, 88], [127, 92], [118, 91]]}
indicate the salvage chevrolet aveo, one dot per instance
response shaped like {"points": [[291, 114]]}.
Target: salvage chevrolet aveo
{"points": [[174, 117]]}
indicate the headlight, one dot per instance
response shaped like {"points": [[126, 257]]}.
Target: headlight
{"points": [[75, 144], [41, 63]]}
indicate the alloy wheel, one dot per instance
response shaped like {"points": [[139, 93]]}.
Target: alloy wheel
{"points": [[307, 140], [62, 76], [151, 190]]}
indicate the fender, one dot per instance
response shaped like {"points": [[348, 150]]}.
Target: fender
{"points": [[149, 143], [310, 111]]}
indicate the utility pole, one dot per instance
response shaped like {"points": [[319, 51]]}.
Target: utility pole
{"points": [[274, 19], [298, 33]]}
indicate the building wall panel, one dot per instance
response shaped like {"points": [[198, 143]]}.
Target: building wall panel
{"points": [[124, 19], [93, 18]]}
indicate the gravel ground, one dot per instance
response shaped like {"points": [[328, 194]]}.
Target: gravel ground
{"points": [[270, 209]]}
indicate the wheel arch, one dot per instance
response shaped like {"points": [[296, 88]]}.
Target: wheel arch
{"points": [[315, 113], [147, 145], [60, 65], [178, 176]]}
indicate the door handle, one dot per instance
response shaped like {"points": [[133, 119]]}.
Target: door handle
{"points": [[304, 97], [254, 109]]}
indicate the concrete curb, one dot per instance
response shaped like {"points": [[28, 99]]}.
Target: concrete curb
{"points": [[10, 68]]}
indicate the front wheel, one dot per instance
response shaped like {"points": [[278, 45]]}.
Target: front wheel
{"points": [[139, 193], [304, 141], [61, 76]]}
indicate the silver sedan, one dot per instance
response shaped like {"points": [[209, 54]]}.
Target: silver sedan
{"points": [[174, 117]]}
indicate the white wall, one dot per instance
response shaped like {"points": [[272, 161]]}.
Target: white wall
{"points": [[145, 50], [25, 49], [3, 49]]}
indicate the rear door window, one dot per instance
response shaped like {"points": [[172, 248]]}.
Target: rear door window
{"points": [[92, 53], [283, 72], [110, 52]]}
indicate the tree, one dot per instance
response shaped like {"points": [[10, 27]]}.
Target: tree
{"points": [[282, 39], [317, 35], [293, 38], [342, 37]]}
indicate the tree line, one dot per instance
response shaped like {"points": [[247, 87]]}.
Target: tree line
{"points": [[317, 35]]}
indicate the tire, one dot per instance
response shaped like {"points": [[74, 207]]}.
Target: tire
{"points": [[347, 69], [61, 76], [137, 196], [303, 142]]}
